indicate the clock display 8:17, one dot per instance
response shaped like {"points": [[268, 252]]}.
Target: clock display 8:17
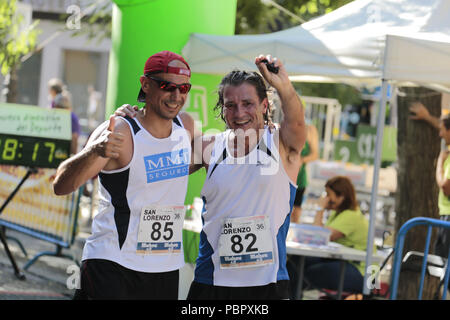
{"points": [[33, 151]]}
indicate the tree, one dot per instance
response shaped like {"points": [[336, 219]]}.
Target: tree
{"points": [[344, 93], [15, 42], [256, 17], [417, 148], [97, 20]]}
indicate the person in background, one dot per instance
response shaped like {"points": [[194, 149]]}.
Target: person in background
{"points": [[348, 227], [420, 112], [62, 101], [55, 87], [310, 152]]}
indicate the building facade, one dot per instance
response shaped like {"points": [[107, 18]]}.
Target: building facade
{"points": [[81, 63]]}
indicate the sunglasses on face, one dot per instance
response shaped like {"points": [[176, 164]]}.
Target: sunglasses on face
{"points": [[170, 86]]}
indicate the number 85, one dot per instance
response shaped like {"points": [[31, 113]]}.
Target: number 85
{"points": [[156, 231]]}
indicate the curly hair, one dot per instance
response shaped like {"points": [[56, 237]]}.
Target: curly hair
{"points": [[236, 78]]}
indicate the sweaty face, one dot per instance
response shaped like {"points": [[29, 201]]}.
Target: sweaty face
{"points": [[242, 107], [164, 103]]}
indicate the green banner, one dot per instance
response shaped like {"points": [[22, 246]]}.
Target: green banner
{"points": [[345, 151], [362, 149]]}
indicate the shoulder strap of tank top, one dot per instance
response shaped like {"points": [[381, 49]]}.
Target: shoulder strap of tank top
{"points": [[178, 122], [133, 124], [219, 152], [263, 146]]}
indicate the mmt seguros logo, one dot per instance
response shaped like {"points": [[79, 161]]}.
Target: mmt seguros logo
{"points": [[167, 165]]}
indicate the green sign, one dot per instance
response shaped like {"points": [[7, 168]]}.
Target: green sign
{"points": [[345, 151], [362, 149], [34, 121]]}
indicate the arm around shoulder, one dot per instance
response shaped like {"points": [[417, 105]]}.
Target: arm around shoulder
{"points": [[189, 125], [197, 143]]}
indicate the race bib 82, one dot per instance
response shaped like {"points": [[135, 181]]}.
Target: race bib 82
{"points": [[245, 242]]}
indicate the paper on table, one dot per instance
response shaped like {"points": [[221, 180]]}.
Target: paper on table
{"points": [[331, 245]]}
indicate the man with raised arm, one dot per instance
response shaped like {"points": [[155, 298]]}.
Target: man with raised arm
{"points": [[249, 189]]}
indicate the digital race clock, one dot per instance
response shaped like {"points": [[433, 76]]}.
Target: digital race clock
{"points": [[34, 137], [33, 151]]}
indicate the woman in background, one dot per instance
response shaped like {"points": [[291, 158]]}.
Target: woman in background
{"points": [[349, 228]]}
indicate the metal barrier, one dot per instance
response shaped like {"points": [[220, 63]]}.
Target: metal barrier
{"points": [[399, 244], [37, 211]]}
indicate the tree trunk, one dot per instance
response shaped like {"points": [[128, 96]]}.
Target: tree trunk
{"points": [[418, 146]]}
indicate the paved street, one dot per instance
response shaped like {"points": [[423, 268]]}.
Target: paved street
{"points": [[45, 279]]}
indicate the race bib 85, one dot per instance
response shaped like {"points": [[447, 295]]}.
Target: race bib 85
{"points": [[160, 230]]}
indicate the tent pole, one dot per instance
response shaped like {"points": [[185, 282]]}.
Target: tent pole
{"points": [[367, 286]]}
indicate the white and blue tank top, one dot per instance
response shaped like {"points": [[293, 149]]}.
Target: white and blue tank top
{"points": [[246, 213], [157, 175]]}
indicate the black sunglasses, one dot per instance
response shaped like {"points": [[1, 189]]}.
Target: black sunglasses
{"points": [[170, 86]]}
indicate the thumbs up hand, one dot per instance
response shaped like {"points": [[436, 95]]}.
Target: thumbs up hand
{"points": [[109, 143], [112, 122]]}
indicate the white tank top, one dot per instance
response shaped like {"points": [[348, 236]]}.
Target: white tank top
{"points": [[157, 175], [247, 205]]}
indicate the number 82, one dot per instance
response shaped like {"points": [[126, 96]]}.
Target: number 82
{"points": [[238, 247]]}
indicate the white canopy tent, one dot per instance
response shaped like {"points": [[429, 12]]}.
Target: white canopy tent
{"points": [[346, 45], [364, 43]]}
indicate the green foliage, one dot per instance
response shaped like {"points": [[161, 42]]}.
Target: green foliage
{"points": [[255, 17], [345, 94], [309, 9], [14, 42], [97, 23]]}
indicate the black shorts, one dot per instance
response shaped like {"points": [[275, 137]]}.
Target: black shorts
{"points": [[271, 291], [104, 279], [299, 197]]}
